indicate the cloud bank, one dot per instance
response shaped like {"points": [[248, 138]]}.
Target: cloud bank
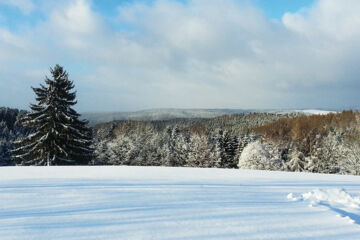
{"points": [[197, 54]]}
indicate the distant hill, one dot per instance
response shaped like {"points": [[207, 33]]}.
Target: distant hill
{"points": [[159, 114], [171, 113], [304, 111]]}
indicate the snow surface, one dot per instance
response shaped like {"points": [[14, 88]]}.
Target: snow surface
{"points": [[314, 112], [91, 203], [305, 111]]}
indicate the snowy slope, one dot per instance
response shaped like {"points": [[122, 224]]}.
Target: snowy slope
{"points": [[91, 203], [314, 112], [304, 111]]}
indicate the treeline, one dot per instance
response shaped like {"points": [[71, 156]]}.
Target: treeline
{"points": [[10, 130], [302, 127], [216, 142], [317, 143], [295, 142]]}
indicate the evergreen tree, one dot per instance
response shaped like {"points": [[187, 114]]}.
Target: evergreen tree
{"points": [[199, 151], [227, 147], [60, 137], [9, 131], [176, 152], [297, 162]]}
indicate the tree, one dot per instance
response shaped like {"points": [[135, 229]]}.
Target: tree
{"points": [[199, 151], [349, 162], [59, 137], [9, 131], [176, 147], [255, 156], [227, 147], [297, 162]]}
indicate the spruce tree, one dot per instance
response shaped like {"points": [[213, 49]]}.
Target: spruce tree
{"points": [[227, 148], [59, 137]]}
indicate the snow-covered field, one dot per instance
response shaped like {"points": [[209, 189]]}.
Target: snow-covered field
{"points": [[45, 203]]}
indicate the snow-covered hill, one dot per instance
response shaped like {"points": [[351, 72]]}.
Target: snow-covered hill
{"points": [[159, 114], [172, 113], [175, 203], [304, 111]]}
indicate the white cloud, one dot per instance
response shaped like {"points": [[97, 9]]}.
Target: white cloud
{"points": [[6, 37], [332, 19], [199, 54], [76, 18]]}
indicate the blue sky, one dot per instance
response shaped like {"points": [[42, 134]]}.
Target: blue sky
{"points": [[276, 8], [131, 55]]}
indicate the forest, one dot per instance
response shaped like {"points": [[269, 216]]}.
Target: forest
{"points": [[267, 141]]}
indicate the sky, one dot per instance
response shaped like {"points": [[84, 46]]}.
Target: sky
{"points": [[129, 55]]}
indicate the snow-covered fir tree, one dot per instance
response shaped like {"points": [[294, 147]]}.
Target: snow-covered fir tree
{"points": [[176, 152], [297, 162], [200, 152], [227, 146], [60, 137]]}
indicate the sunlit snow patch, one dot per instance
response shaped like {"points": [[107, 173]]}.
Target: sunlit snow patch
{"points": [[337, 200]]}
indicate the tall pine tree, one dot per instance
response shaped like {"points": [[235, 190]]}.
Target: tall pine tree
{"points": [[60, 137]]}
